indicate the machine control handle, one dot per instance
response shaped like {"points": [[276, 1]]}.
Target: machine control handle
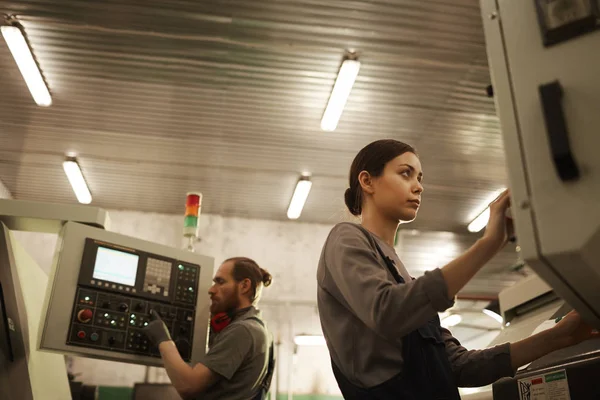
{"points": [[551, 95]]}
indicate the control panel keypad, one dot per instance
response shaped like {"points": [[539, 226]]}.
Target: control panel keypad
{"points": [[114, 322], [158, 277], [187, 276]]}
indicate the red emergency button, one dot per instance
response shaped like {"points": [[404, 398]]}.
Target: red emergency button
{"points": [[81, 335], [85, 315]]}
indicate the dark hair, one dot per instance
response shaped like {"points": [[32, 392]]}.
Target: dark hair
{"points": [[372, 158], [246, 268]]}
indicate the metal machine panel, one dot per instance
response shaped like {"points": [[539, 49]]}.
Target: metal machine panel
{"points": [[32, 216], [13, 358], [29, 373], [547, 98], [102, 287]]}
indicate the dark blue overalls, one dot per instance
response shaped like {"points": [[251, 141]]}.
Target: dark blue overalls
{"points": [[427, 372]]}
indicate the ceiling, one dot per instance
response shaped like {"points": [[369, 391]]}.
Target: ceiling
{"points": [[157, 99]]}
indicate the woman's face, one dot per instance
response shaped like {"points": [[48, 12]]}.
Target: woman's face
{"points": [[397, 192]]}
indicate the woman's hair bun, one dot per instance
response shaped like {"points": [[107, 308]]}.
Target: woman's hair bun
{"points": [[350, 200]]}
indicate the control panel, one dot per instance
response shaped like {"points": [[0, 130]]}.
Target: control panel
{"points": [[116, 290]]}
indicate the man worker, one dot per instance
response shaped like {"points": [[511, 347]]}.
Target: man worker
{"points": [[239, 363]]}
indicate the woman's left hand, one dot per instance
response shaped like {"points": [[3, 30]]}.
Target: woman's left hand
{"points": [[572, 330]]}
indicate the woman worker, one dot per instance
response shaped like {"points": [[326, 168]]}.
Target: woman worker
{"points": [[382, 326]]}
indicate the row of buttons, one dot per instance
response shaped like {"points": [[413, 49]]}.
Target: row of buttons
{"points": [[138, 321], [137, 341], [132, 346], [93, 337], [112, 322], [187, 276], [158, 272], [165, 265], [112, 286]]}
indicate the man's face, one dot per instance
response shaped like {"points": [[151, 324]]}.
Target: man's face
{"points": [[224, 293]]}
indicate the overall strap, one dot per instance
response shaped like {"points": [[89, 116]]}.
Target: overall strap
{"points": [[266, 383]]}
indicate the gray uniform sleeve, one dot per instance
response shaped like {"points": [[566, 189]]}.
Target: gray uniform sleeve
{"points": [[474, 368], [356, 276], [226, 356]]}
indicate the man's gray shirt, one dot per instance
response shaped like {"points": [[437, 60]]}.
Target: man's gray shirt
{"points": [[365, 314], [239, 354]]}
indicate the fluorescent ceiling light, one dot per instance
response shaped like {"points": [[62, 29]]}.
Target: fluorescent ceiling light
{"points": [[24, 58], [483, 217], [339, 94], [299, 198], [492, 314], [480, 222], [309, 340], [77, 181], [451, 320]]}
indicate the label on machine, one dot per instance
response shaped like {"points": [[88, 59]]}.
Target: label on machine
{"points": [[552, 386]]}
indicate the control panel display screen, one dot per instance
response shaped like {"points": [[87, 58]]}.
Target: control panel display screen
{"points": [[116, 266]]}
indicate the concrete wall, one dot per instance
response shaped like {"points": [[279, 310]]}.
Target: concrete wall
{"points": [[4, 192]]}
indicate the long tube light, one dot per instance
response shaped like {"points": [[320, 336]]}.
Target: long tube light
{"points": [[77, 181], [481, 220], [15, 39], [299, 197], [451, 320], [339, 94], [494, 315], [309, 340]]}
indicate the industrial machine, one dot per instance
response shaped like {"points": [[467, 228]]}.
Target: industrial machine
{"points": [[544, 58], [98, 297]]}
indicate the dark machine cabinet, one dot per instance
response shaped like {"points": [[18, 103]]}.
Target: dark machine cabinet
{"points": [[118, 288]]}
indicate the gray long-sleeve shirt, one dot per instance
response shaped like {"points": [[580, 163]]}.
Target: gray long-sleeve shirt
{"points": [[365, 314]]}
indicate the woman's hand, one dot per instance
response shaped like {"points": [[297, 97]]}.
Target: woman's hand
{"points": [[572, 330], [499, 228]]}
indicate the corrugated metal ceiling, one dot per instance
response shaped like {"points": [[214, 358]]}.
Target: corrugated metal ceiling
{"points": [[159, 98]]}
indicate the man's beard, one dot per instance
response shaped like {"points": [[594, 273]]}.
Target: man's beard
{"points": [[229, 304]]}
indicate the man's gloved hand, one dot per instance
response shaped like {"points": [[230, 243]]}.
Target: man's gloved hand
{"points": [[156, 330]]}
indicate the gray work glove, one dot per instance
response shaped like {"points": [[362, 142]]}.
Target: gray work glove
{"points": [[156, 330]]}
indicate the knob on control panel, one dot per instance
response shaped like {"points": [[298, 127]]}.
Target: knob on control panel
{"points": [[123, 307], [111, 340], [85, 315]]}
